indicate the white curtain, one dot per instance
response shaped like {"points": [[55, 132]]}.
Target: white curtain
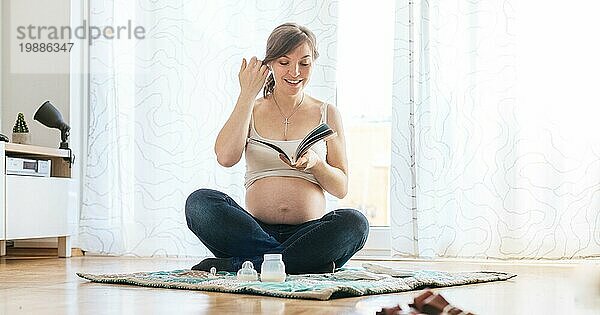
{"points": [[157, 104], [496, 144]]}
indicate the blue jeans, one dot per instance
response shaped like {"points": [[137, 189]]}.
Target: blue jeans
{"points": [[229, 231]]}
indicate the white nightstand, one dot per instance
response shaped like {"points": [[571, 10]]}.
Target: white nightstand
{"points": [[35, 207]]}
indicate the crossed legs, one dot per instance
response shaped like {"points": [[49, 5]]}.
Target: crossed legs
{"points": [[231, 233]]}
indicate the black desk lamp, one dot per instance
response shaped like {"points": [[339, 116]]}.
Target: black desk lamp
{"points": [[50, 117]]}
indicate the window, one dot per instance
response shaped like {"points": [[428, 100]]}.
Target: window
{"points": [[364, 96]]}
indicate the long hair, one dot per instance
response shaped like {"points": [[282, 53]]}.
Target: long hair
{"points": [[285, 38]]}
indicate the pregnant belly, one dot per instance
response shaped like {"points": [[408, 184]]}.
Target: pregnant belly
{"points": [[285, 200]]}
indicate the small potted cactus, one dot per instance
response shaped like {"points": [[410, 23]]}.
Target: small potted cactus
{"points": [[20, 130]]}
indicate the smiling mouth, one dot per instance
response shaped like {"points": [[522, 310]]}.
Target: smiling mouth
{"points": [[293, 82]]}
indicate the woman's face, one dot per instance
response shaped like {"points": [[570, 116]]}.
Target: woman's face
{"points": [[292, 71]]}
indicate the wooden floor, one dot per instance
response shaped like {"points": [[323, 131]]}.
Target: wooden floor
{"points": [[50, 286]]}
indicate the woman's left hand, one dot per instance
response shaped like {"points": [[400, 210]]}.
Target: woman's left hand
{"points": [[306, 162]]}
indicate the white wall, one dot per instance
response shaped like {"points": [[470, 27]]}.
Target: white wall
{"points": [[25, 92]]}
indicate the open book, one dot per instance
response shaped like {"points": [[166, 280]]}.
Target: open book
{"points": [[321, 132]]}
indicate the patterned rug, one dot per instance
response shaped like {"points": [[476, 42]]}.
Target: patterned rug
{"points": [[348, 282]]}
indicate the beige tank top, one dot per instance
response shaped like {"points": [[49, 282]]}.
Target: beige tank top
{"points": [[264, 162]]}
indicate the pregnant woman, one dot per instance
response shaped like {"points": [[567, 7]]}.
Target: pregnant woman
{"points": [[284, 211]]}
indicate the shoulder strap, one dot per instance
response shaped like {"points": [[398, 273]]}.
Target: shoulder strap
{"points": [[324, 112]]}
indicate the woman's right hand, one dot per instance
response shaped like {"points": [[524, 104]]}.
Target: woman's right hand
{"points": [[253, 75]]}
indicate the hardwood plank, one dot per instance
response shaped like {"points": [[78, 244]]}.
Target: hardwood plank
{"points": [[34, 149]]}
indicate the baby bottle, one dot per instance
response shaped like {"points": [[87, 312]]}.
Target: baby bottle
{"points": [[272, 269], [247, 273]]}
